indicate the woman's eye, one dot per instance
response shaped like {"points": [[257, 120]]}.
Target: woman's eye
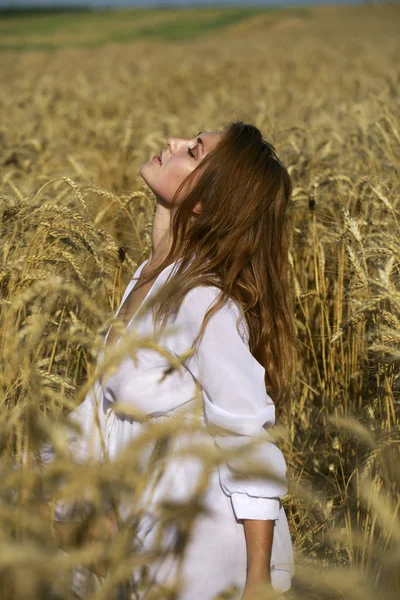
{"points": [[191, 153]]}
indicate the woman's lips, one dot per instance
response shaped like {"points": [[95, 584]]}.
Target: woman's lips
{"points": [[157, 159]]}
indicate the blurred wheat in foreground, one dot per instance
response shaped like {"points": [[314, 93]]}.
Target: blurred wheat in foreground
{"points": [[76, 220]]}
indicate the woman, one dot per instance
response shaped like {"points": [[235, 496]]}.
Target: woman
{"points": [[219, 256]]}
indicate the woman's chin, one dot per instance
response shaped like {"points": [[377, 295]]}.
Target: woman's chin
{"points": [[142, 170]]}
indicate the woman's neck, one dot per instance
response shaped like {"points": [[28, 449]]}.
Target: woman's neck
{"points": [[160, 238]]}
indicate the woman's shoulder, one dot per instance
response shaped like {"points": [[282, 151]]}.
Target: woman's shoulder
{"points": [[200, 298], [203, 296]]}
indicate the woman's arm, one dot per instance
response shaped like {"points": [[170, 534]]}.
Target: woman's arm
{"points": [[238, 407], [259, 535]]}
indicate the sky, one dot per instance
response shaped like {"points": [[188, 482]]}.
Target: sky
{"points": [[149, 3]]}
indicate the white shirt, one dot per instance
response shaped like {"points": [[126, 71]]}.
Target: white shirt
{"points": [[233, 390], [233, 394]]}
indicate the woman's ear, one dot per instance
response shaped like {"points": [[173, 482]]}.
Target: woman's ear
{"points": [[197, 208]]}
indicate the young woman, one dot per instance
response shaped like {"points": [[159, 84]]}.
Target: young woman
{"points": [[219, 254]]}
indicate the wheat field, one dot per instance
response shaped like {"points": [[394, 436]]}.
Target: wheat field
{"points": [[77, 121]]}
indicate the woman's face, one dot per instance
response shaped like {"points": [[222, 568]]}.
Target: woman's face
{"points": [[165, 172]]}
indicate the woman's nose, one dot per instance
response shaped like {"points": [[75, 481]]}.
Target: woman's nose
{"points": [[175, 143]]}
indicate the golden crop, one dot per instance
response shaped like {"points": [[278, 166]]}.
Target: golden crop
{"points": [[76, 124]]}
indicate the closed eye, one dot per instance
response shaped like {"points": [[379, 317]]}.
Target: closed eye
{"points": [[190, 151]]}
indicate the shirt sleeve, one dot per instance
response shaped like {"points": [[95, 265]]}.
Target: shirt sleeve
{"points": [[237, 404], [85, 439]]}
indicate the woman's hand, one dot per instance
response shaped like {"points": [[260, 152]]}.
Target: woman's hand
{"points": [[102, 529], [64, 532]]}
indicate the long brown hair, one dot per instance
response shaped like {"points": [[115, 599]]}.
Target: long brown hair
{"points": [[238, 242]]}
